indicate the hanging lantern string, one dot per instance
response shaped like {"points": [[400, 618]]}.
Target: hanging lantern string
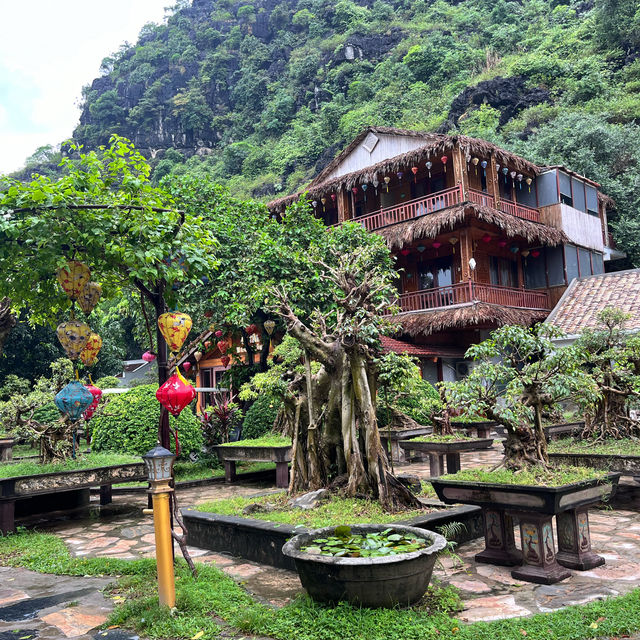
{"points": [[146, 320]]}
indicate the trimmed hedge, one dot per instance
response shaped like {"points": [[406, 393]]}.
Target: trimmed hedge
{"points": [[260, 416], [129, 424]]}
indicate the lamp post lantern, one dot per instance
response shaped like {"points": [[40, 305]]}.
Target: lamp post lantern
{"points": [[159, 462]]}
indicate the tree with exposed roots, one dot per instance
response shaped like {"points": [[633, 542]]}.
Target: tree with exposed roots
{"points": [[519, 374], [611, 356]]}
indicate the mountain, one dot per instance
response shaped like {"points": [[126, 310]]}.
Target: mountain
{"points": [[261, 94]]}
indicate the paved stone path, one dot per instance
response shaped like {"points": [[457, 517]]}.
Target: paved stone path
{"points": [[489, 592]]}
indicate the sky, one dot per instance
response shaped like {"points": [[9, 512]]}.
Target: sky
{"points": [[48, 51]]}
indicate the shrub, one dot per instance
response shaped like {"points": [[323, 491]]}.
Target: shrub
{"points": [[108, 382], [260, 416], [47, 413], [129, 424]]}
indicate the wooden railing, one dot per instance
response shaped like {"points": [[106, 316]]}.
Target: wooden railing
{"points": [[411, 209], [466, 292], [520, 210], [484, 199]]}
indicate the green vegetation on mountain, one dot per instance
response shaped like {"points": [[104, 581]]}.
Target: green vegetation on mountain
{"points": [[260, 94]]}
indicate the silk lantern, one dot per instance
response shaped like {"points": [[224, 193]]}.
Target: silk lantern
{"points": [[186, 366], [219, 333], [90, 352], [89, 297], [91, 409], [148, 356], [175, 327], [73, 400], [222, 346], [225, 361], [269, 326], [429, 165], [387, 180], [175, 394], [444, 161], [73, 278], [73, 336]]}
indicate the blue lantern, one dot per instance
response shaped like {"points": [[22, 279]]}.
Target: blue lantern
{"points": [[73, 400], [505, 172], [483, 164]]}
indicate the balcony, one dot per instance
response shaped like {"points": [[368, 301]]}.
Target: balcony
{"points": [[442, 200], [467, 292]]}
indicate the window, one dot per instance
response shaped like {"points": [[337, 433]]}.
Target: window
{"points": [[435, 274], [210, 379], [571, 260], [535, 276], [592, 200], [555, 266], [565, 189], [584, 262], [596, 263], [503, 272], [579, 198]]}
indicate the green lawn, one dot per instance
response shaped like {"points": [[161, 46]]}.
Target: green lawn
{"points": [[213, 594]]}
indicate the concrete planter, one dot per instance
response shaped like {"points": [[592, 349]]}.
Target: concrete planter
{"points": [[261, 541], [396, 435], [369, 582], [624, 465], [534, 508], [482, 429], [555, 431], [438, 451], [6, 448], [281, 456]]}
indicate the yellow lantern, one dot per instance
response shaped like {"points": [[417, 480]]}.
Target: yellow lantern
{"points": [[73, 336], [73, 278], [89, 297], [175, 327], [90, 352]]}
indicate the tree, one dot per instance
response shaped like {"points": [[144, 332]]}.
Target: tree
{"points": [[105, 211], [7, 320], [519, 374], [611, 356]]}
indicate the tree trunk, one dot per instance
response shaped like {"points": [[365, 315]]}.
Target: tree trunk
{"points": [[7, 321]]}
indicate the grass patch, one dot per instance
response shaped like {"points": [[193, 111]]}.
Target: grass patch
{"points": [[88, 461], [625, 447], [443, 439], [537, 476], [214, 594], [333, 512], [265, 441]]}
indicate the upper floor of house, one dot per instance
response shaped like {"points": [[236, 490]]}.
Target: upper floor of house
{"points": [[388, 176]]}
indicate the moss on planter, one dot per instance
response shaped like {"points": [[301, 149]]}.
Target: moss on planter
{"points": [[625, 447], [266, 441], [88, 461], [442, 439], [555, 477], [333, 512]]}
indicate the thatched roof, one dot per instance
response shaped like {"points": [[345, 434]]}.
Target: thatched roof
{"points": [[430, 226], [435, 144], [474, 314]]}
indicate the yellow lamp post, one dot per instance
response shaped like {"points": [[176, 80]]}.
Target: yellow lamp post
{"points": [[159, 462]]}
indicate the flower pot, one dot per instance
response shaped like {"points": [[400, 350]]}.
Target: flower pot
{"points": [[369, 582]]}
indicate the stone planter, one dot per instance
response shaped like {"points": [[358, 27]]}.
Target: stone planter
{"points": [[396, 435], [482, 429], [437, 451], [229, 455], [369, 582], [63, 489], [534, 508], [555, 431], [624, 465], [6, 448]]}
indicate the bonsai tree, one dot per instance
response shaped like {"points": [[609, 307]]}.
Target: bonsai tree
{"points": [[611, 355], [517, 376]]}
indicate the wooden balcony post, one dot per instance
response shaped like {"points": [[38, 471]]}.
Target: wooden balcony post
{"points": [[343, 206], [466, 253], [492, 179], [460, 175]]}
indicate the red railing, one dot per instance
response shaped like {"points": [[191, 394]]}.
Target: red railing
{"points": [[484, 199], [411, 209], [466, 292], [520, 210]]}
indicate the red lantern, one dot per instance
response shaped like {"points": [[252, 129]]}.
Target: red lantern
{"points": [[415, 173], [175, 394], [486, 238], [535, 253], [436, 245], [405, 252], [333, 197], [251, 329], [222, 346], [355, 190], [225, 361], [97, 394], [208, 313], [502, 243], [218, 333], [444, 161]]}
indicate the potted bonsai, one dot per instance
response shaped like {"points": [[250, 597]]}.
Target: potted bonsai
{"points": [[610, 437], [519, 374], [369, 565]]}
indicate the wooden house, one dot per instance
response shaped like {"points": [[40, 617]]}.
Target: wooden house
{"points": [[482, 236]]}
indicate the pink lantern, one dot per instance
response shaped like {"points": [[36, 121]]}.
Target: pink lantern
{"points": [[218, 334], [97, 394], [186, 366], [502, 243], [355, 190], [436, 245], [486, 238], [175, 394], [333, 197], [148, 356], [444, 161]]}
